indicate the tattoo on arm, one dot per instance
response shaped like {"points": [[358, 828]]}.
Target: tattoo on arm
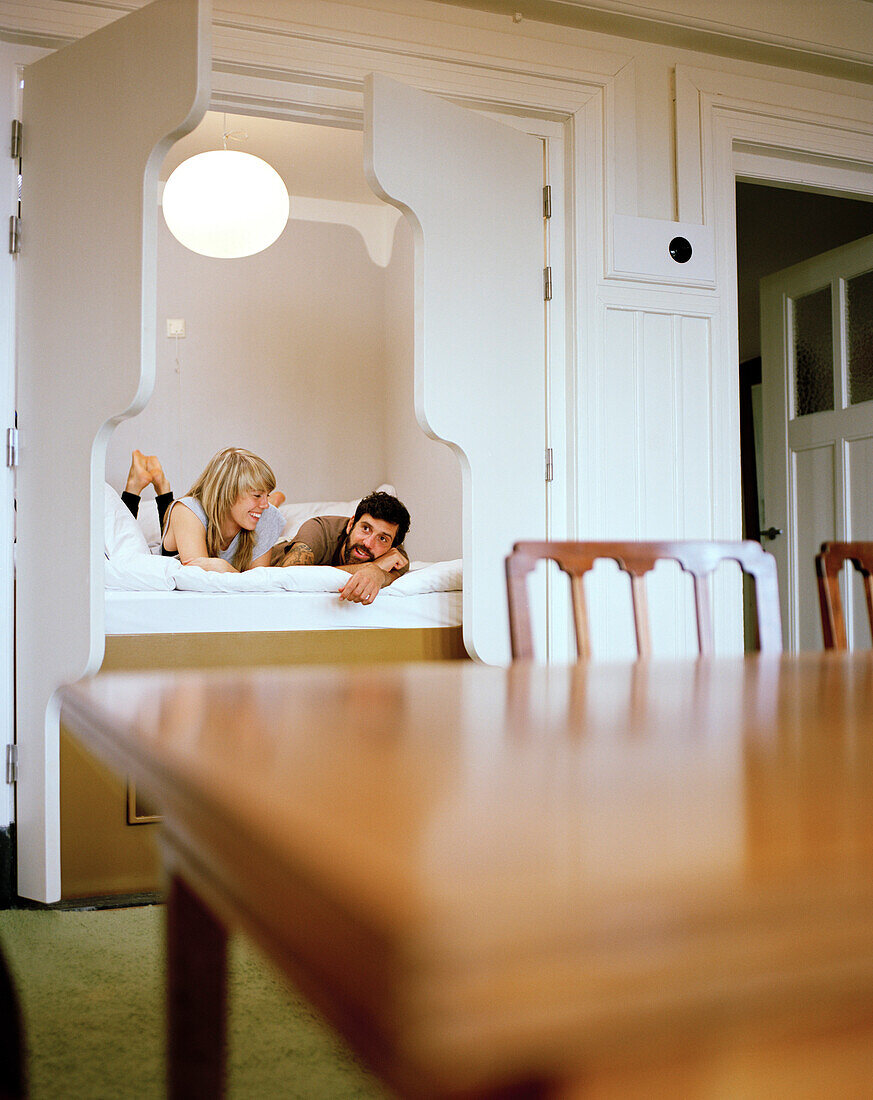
{"points": [[299, 554]]}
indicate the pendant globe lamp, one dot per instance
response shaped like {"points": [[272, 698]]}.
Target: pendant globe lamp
{"points": [[225, 203]]}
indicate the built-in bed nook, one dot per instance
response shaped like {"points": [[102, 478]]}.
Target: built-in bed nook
{"points": [[302, 353]]}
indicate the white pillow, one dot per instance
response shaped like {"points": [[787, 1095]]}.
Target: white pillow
{"points": [[438, 576], [142, 573], [296, 515], [122, 536]]}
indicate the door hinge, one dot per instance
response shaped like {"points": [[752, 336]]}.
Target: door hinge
{"points": [[547, 284], [547, 201], [14, 234], [12, 447], [11, 763], [15, 147], [550, 465]]}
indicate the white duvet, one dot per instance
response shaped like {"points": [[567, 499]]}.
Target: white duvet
{"points": [[146, 572], [130, 567], [441, 576]]}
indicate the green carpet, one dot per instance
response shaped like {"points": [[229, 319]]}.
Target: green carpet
{"points": [[91, 990]]}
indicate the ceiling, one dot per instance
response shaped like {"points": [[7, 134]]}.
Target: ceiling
{"points": [[323, 162]]}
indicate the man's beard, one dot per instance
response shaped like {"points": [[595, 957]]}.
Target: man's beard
{"points": [[347, 552]]}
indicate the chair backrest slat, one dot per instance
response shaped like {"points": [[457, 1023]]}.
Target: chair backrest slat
{"points": [[642, 629], [580, 616], [829, 563], [699, 558], [703, 613]]}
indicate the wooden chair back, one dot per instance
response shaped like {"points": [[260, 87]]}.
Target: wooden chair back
{"points": [[699, 558], [828, 564]]}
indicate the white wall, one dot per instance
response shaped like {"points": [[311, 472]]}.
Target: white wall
{"points": [[302, 354], [282, 355]]}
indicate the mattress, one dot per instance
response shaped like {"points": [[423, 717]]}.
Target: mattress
{"points": [[179, 612], [147, 593], [151, 595]]}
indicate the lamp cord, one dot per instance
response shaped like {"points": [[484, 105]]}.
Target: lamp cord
{"points": [[181, 411]]}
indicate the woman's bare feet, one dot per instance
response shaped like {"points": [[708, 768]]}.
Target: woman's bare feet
{"points": [[138, 476], [276, 498], [156, 474]]}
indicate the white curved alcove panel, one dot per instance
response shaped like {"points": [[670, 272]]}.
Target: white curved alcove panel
{"points": [[472, 189], [376, 224], [99, 116]]}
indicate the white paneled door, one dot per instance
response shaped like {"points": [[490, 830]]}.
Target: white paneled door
{"points": [[99, 116], [473, 190], [817, 394]]}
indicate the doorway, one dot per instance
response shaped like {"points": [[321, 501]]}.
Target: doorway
{"points": [[776, 227]]}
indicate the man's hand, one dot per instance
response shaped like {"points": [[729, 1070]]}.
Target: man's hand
{"points": [[391, 561], [364, 584], [369, 577]]}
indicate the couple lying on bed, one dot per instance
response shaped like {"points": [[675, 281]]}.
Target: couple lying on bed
{"points": [[229, 522]]}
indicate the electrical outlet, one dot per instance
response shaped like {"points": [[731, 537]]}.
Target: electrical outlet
{"points": [[175, 326]]}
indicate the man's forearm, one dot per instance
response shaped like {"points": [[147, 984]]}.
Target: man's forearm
{"points": [[299, 554]]}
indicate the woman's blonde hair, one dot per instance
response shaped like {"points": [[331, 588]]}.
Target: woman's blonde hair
{"points": [[229, 475]]}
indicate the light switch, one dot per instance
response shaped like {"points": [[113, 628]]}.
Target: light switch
{"points": [[175, 326]]}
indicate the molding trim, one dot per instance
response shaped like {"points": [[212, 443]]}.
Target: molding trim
{"points": [[800, 136], [318, 61], [830, 50], [777, 38], [345, 41], [795, 124]]}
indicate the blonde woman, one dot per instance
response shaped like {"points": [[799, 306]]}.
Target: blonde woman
{"points": [[226, 523]]}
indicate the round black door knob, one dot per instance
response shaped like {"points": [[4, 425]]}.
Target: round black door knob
{"points": [[680, 250]]}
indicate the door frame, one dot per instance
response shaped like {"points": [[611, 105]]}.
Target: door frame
{"points": [[569, 113], [732, 128]]}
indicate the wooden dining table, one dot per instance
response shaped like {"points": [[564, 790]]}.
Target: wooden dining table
{"points": [[649, 879]]}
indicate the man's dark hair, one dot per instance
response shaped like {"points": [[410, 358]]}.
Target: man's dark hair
{"points": [[387, 508]]}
